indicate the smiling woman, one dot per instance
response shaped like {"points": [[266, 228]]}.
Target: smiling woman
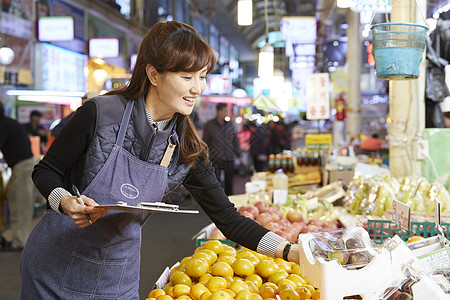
{"points": [[133, 145]]}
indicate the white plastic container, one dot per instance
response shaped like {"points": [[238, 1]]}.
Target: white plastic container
{"points": [[280, 184], [335, 281]]}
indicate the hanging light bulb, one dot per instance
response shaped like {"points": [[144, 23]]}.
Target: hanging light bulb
{"points": [[6, 55], [265, 63], [245, 12]]}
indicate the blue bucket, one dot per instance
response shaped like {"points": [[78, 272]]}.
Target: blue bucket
{"points": [[398, 49]]}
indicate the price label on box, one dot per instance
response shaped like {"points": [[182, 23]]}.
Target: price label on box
{"points": [[401, 214]]}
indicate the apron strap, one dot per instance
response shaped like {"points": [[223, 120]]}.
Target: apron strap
{"points": [[124, 123], [173, 141]]}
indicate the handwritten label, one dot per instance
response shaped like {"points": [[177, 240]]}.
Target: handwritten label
{"points": [[401, 214]]}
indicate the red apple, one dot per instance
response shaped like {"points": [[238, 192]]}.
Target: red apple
{"points": [[264, 218], [248, 214], [273, 226], [262, 206], [254, 210]]}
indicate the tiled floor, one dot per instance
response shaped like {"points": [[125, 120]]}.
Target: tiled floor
{"points": [[166, 239]]}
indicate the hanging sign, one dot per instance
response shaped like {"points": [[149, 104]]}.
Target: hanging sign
{"points": [[318, 142], [317, 96]]}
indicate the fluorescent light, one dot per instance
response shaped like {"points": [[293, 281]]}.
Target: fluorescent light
{"points": [[344, 3], [245, 12], [43, 93], [265, 64], [51, 99]]}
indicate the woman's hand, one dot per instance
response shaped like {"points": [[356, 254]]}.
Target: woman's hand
{"points": [[79, 212]]}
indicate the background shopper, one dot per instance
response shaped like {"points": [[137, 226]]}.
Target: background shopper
{"points": [[16, 148], [223, 145]]}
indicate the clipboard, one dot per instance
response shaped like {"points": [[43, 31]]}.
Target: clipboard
{"points": [[148, 207]]}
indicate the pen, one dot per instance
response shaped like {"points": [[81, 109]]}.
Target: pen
{"points": [[77, 193]]}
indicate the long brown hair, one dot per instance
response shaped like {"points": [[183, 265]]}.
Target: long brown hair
{"points": [[172, 47]]}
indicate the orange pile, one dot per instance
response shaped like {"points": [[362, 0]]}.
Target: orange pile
{"points": [[219, 272]]}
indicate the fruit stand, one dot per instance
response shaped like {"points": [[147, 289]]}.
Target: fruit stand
{"points": [[349, 246]]}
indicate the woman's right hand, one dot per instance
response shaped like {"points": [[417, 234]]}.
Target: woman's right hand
{"points": [[78, 212]]}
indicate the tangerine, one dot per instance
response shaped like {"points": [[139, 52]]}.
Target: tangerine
{"points": [[414, 238], [266, 268], [243, 267], [278, 276], [214, 245], [244, 295], [304, 293], [156, 292], [222, 269], [238, 285], [164, 297], [228, 259], [180, 277], [206, 295], [196, 267], [181, 289], [255, 278], [267, 292], [256, 296], [289, 294], [220, 295], [197, 290], [216, 283]]}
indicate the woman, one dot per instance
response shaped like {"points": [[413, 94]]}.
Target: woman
{"points": [[118, 147]]}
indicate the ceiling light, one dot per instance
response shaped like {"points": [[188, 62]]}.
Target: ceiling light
{"points": [[265, 64], [344, 3], [245, 12], [43, 93]]}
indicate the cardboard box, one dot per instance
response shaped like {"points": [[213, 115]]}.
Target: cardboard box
{"points": [[345, 175]]}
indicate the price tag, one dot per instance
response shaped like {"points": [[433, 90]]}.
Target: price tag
{"points": [[437, 212], [401, 214], [280, 196]]}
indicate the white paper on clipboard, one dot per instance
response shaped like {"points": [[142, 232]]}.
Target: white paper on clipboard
{"points": [[148, 207]]}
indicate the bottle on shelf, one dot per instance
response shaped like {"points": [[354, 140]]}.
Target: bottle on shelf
{"points": [[271, 164], [280, 184], [299, 157], [290, 164], [277, 161], [284, 162]]}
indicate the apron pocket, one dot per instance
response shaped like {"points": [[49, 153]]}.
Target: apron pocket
{"points": [[92, 277]]}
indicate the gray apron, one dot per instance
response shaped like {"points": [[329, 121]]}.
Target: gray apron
{"points": [[63, 261]]}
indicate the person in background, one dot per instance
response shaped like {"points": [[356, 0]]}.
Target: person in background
{"points": [[277, 137], [371, 145], [16, 148], [223, 145], [258, 149], [137, 144], [34, 127]]}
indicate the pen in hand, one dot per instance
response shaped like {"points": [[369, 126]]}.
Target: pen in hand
{"points": [[77, 193]]}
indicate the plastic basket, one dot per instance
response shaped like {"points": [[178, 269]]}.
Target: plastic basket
{"points": [[380, 230], [398, 49], [236, 246]]}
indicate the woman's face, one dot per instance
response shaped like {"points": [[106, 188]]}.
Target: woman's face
{"points": [[178, 91]]}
